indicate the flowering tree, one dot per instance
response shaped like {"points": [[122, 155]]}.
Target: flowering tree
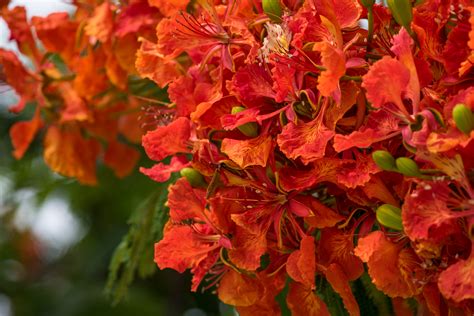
{"points": [[312, 152]]}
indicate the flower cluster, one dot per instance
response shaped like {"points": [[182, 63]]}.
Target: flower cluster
{"points": [[80, 84], [316, 140], [309, 145]]}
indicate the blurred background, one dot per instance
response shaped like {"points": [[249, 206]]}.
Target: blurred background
{"points": [[57, 237]]}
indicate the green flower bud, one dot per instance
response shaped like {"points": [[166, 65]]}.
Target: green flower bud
{"points": [[194, 177], [389, 216], [384, 160], [248, 129], [401, 12], [273, 9], [464, 118], [408, 167], [367, 3]]}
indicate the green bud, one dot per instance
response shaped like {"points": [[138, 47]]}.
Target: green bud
{"points": [[401, 12], [272, 8], [194, 177], [384, 160], [248, 129], [408, 167], [367, 3], [464, 118], [389, 216]]}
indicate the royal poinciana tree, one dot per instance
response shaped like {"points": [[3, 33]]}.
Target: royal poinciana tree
{"points": [[316, 141]]}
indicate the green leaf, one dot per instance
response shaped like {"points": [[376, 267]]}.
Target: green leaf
{"points": [[134, 255]]}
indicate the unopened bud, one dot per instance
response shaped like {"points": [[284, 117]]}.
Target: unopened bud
{"points": [[408, 167], [464, 118], [384, 160], [389, 216], [194, 177], [272, 8], [367, 3], [401, 12], [248, 129]]}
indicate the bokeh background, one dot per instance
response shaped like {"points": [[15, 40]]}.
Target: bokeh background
{"points": [[57, 237]]}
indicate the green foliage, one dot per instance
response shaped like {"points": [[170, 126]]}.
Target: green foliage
{"points": [[134, 255], [371, 299], [332, 299]]}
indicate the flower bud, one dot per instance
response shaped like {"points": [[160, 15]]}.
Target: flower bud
{"points": [[401, 12], [248, 129], [384, 160], [408, 167], [464, 118], [367, 3], [389, 216], [194, 177], [272, 8]]}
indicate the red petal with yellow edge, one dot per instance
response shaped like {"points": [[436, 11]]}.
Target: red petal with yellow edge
{"points": [[180, 249], [334, 61], [168, 140], [357, 172], [324, 169], [238, 289], [169, 7], [386, 82], [402, 43], [381, 256], [321, 215], [248, 246], [121, 158], [185, 202], [340, 283], [161, 172], [68, 153], [337, 246], [284, 82], [457, 282], [301, 264], [301, 300], [425, 214], [345, 12], [379, 126], [22, 134], [101, 24], [305, 140], [251, 84], [151, 64], [190, 91], [251, 152]]}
